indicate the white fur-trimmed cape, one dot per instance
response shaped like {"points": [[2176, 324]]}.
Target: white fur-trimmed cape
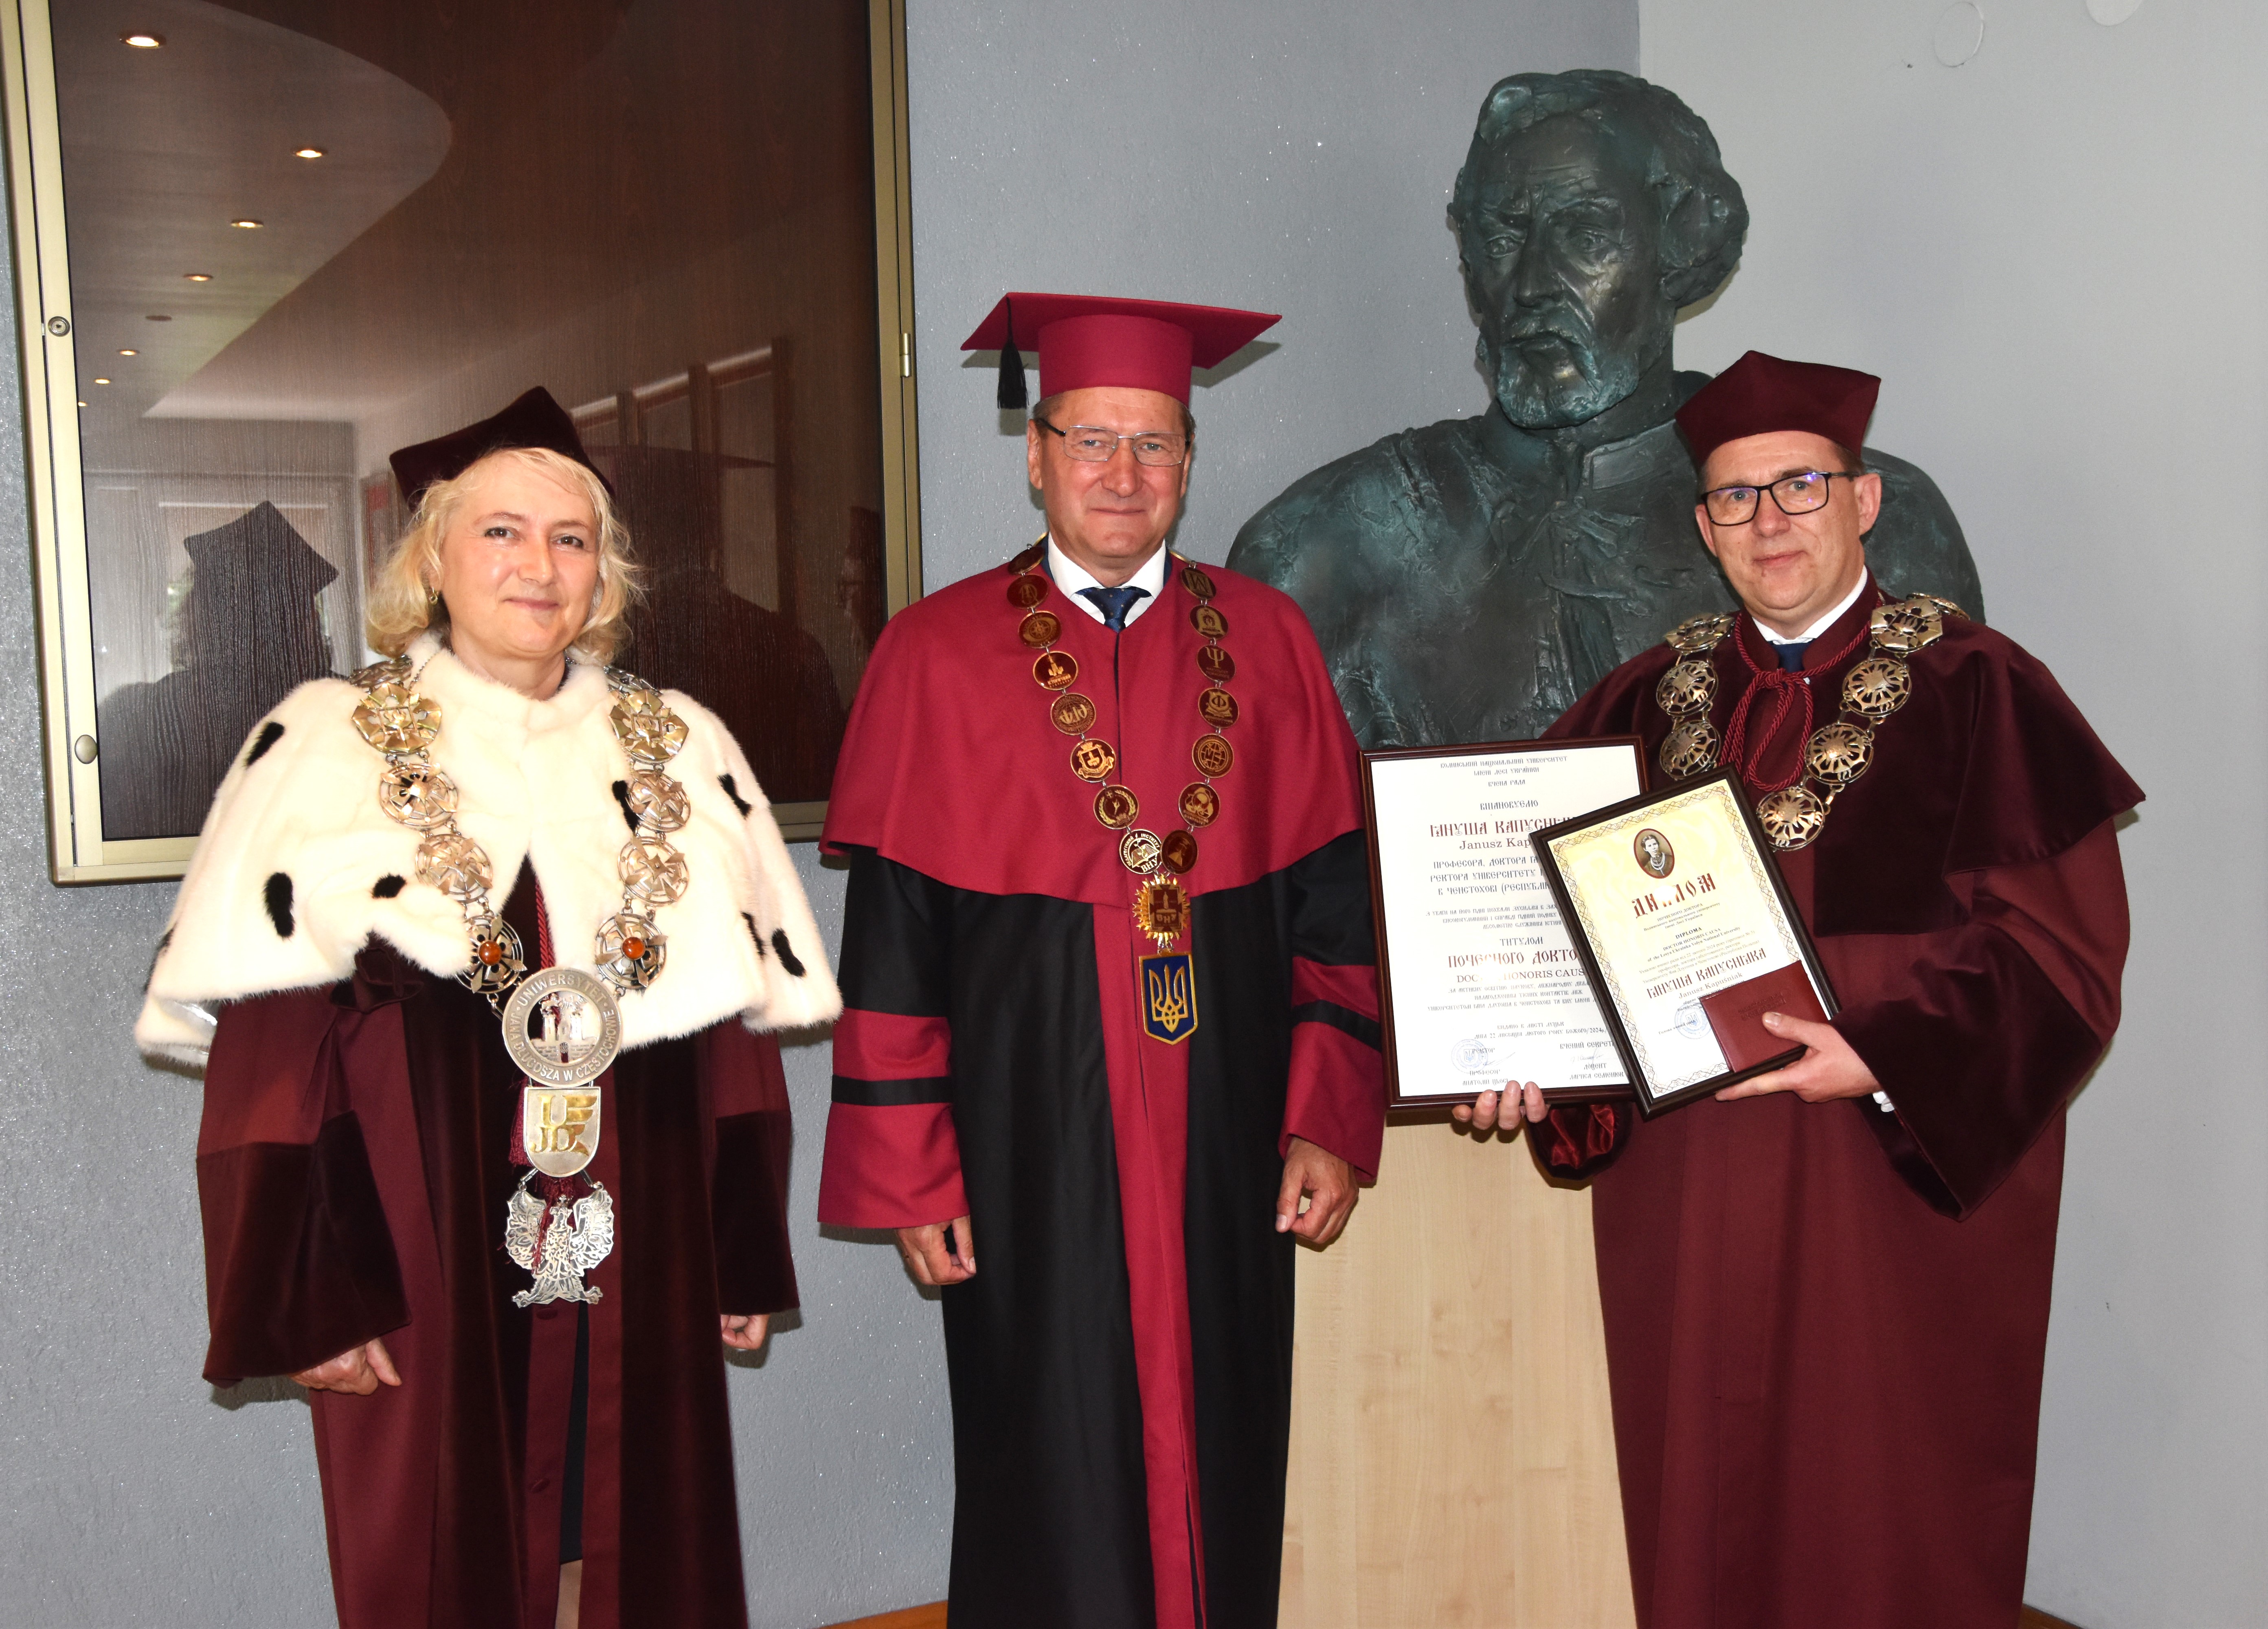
{"points": [[297, 866]]}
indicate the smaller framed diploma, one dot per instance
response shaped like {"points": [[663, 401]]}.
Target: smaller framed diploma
{"points": [[1687, 936], [1479, 984]]}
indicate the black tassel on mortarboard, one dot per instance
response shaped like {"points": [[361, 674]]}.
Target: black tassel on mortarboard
{"points": [[1012, 396]]}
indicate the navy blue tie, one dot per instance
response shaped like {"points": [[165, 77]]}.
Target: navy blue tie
{"points": [[1115, 603], [1791, 656]]}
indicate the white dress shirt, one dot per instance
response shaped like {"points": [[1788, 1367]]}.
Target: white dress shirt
{"points": [[1070, 577], [1822, 624]]}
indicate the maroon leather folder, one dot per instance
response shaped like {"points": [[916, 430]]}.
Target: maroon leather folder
{"points": [[1736, 1013]]}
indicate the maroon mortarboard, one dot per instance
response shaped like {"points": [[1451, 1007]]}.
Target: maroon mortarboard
{"points": [[534, 420], [1759, 394], [259, 547], [1143, 344]]}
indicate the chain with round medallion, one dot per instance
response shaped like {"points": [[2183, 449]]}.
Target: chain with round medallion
{"points": [[1161, 902], [1838, 753]]}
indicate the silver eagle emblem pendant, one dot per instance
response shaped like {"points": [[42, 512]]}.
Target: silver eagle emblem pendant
{"points": [[577, 1236]]}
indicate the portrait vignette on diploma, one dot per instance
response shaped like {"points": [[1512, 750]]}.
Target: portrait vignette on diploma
{"points": [[1482, 981], [1692, 911]]}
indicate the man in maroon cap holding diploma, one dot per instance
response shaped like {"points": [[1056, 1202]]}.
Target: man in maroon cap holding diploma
{"points": [[1826, 1291], [1111, 1003]]}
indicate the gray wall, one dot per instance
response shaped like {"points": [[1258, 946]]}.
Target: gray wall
{"points": [[2054, 255], [1292, 156]]}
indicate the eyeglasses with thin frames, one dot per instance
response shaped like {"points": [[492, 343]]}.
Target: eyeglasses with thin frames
{"points": [[1796, 494], [1092, 444]]}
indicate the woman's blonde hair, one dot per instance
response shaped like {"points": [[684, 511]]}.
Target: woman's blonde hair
{"points": [[402, 601]]}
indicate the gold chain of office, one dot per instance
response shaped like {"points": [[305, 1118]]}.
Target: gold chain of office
{"points": [[1838, 753], [1161, 904]]}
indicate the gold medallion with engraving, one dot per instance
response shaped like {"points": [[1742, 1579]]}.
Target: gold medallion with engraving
{"points": [[1689, 686], [1023, 593], [1180, 852], [1209, 621], [1877, 687], [1212, 755], [1140, 851], [1094, 760], [1200, 804], [1197, 582], [1056, 670], [1071, 713], [1216, 664], [1838, 753], [1161, 910], [1792, 816], [1040, 630], [1218, 707], [1116, 808]]}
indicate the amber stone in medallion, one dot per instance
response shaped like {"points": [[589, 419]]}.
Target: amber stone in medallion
{"points": [[1138, 852], [1116, 808], [1207, 622], [1216, 664], [1181, 852], [1056, 670], [1071, 713], [1038, 628], [1218, 706], [1094, 760], [1197, 582], [1025, 592], [1212, 756], [1200, 804]]}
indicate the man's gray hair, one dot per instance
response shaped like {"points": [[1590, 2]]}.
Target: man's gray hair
{"points": [[1704, 217]]}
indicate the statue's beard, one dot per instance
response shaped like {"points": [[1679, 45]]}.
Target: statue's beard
{"points": [[1555, 373]]}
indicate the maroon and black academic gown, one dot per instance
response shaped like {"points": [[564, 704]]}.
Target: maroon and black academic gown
{"points": [[353, 1168], [1825, 1323], [1121, 1363]]}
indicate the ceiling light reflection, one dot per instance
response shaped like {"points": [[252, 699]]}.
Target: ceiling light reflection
{"points": [[142, 41], [308, 152], [248, 223], [196, 277]]}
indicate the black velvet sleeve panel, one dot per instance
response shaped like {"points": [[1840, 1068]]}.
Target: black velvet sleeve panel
{"points": [[897, 937], [1332, 920]]}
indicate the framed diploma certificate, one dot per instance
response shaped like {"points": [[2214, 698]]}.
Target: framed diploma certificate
{"points": [[1687, 934], [1478, 983]]}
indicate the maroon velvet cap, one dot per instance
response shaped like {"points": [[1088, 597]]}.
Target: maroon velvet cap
{"points": [[534, 420], [1144, 344], [1760, 394]]}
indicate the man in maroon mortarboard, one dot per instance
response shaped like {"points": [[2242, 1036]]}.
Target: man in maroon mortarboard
{"points": [[1111, 1002], [1826, 1290]]}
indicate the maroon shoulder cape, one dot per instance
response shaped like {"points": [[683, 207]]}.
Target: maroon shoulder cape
{"points": [[1121, 1363], [1826, 1322]]}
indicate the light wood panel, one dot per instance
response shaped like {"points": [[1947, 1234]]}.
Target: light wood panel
{"points": [[1452, 1454]]}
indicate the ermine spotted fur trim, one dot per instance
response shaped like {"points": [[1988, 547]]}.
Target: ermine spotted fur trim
{"points": [[297, 866]]}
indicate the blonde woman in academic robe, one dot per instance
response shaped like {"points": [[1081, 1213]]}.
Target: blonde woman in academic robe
{"points": [[480, 952]]}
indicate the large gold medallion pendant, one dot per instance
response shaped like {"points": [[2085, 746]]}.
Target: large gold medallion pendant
{"points": [[1162, 910], [1792, 816]]}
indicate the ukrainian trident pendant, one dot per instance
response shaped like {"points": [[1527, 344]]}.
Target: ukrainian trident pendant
{"points": [[1169, 998]]}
